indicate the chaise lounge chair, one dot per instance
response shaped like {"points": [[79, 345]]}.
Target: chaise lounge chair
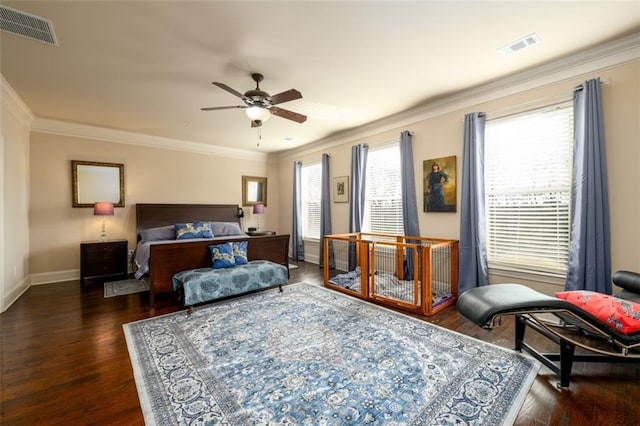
{"points": [[569, 325]]}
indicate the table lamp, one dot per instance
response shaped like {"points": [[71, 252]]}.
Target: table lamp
{"points": [[103, 209], [258, 209]]}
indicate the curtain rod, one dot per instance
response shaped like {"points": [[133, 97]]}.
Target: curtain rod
{"points": [[542, 102], [529, 105], [602, 83]]}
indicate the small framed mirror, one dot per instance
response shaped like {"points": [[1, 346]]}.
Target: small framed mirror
{"points": [[93, 182], [254, 190]]}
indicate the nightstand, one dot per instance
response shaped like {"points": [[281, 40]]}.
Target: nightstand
{"points": [[102, 258], [260, 233]]}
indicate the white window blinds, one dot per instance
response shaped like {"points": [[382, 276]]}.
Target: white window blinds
{"points": [[311, 175], [528, 167], [383, 198]]}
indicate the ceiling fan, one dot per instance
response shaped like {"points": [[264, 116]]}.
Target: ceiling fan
{"points": [[259, 105]]}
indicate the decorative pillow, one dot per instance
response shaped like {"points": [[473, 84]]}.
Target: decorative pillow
{"points": [[240, 252], [222, 255], [190, 230], [158, 234], [223, 229], [620, 314]]}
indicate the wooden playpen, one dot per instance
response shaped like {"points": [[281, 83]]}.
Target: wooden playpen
{"points": [[384, 268]]}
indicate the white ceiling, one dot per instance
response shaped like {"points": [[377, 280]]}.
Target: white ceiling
{"points": [[147, 66]]}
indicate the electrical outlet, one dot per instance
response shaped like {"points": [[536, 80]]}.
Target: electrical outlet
{"points": [[130, 253]]}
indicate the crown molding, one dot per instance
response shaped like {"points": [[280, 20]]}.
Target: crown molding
{"points": [[598, 58], [618, 52], [64, 128], [14, 103]]}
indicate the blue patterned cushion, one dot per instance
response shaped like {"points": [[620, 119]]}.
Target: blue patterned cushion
{"points": [[240, 252], [222, 255], [186, 231], [206, 284]]}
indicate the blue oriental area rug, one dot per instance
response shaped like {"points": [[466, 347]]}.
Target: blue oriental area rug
{"points": [[311, 356]]}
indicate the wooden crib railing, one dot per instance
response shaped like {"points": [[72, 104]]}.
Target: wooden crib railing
{"points": [[384, 268]]}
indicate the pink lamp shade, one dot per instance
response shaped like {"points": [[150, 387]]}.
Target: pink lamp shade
{"points": [[103, 209], [258, 209]]}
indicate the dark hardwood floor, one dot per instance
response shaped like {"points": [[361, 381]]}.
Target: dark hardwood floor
{"points": [[64, 361]]}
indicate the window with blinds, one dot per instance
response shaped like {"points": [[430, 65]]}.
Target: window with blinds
{"points": [[383, 197], [528, 167], [311, 176]]}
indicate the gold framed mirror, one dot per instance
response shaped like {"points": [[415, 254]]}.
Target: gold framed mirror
{"points": [[94, 181], [254, 190]]}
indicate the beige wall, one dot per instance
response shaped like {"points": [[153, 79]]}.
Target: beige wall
{"points": [[152, 175], [36, 186], [441, 135], [14, 196]]}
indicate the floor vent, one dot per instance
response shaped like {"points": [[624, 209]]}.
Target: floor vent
{"points": [[27, 25]]}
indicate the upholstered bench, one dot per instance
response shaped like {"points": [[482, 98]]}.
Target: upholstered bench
{"points": [[207, 284]]}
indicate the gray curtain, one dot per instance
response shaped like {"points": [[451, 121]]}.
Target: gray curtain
{"points": [[356, 190], [473, 271], [297, 245], [325, 212], [589, 241], [409, 203]]}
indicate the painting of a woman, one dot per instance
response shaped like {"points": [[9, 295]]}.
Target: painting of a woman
{"points": [[440, 190]]}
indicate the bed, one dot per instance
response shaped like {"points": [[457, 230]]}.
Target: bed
{"points": [[416, 274], [166, 257]]}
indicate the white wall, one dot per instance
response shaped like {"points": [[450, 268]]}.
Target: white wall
{"points": [[14, 196]]}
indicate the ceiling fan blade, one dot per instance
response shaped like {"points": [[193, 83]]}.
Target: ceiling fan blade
{"points": [[289, 115], [286, 96], [232, 91], [223, 107]]}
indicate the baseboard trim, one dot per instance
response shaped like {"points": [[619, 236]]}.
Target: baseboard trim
{"points": [[55, 277], [15, 293]]}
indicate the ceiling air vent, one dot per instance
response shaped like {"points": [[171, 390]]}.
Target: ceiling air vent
{"points": [[27, 25], [528, 41]]}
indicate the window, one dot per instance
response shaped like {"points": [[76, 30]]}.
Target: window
{"points": [[528, 167], [311, 189], [383, 197]]}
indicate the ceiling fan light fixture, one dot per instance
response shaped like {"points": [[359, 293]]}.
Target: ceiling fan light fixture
{"points": [[259, 105], [257, 113]]}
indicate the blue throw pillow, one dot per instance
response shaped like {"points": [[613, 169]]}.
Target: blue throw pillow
{"points": [[186, 231], [240, 252], [222, 255]]}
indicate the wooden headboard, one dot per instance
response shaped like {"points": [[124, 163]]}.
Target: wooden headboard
{"points": [[155, 215]]}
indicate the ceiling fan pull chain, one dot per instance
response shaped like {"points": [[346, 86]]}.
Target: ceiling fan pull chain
{"points": [[259, 129]]}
